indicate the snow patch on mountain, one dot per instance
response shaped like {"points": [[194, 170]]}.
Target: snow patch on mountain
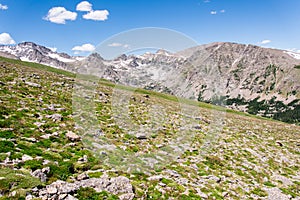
{"points": [[60, 58], [293, 54]]}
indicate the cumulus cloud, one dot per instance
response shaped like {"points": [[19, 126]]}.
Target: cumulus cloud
{"points": [[97, 15], [116, 44], [5, 39], [3, 7], [59, 15], [84, 6], [265, 42], [222, 11], [83, 48], [213, 12]]}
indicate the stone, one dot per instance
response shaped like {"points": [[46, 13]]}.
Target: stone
{"points": [[173, 173], [128, 196], [29, 197], [51, 190], [198, 127], [29, 139], [46, 162], [119, 184], [72, 136], [82, 176], [41, 174], [26, 158], [46, 170], [55, 117], [62, 196], [275, 193], [214, 178], [32, 84], [141, 137], [285, 181], [70, 197], [155, 178], [46, 136], [83, 159], [13, 193]]}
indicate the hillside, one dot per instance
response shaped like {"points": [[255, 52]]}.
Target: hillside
{"points": [[249, 78], [164, 147]]}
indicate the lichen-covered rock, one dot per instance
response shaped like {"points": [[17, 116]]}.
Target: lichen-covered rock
{"points": [[41, 174], [72, 136], [117, 185]]}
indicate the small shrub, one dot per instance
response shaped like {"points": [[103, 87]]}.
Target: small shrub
{"points": [[213, 162], [17, 179], [91, 194], [31, 150], [6, 146], [7, 134], [269, 184], [33, 164], [61, 171], [259, 192], [297, 67]]}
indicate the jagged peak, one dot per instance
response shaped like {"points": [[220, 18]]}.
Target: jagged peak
{"points": [[163, 52], [96, 55]]}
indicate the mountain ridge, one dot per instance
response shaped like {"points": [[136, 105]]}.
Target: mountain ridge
{"points": [[234, 75]]}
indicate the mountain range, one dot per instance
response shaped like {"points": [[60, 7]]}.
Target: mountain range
{"points": [[249, 78]]}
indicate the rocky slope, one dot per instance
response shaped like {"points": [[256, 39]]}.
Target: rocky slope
{"points": [[29, 51], [169, 150], [244, 77]]}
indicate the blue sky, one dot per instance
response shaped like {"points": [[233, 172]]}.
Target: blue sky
{"points": [[269, 23]]}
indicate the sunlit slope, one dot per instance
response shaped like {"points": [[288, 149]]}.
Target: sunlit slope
{"points": [[168, 148]]}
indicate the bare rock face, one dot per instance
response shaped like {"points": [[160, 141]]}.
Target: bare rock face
{"points": [[223, 69], [28, 51]]}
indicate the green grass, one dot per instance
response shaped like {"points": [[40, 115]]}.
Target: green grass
{"points": [[37, 66], [6, 146], [259, 192], [91, 194], [21, 107], [16, 179]]}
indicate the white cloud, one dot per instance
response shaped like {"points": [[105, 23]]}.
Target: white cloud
{"points": [[3, 7], [265, 42], [213, 12], [222, 11], [116, 44], [126, 46], [97, 15], [83, 48], [5, 39], [206, 1], [84, 6], [59, 15]]}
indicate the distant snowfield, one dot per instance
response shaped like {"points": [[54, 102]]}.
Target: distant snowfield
{"points": [[293, 54], [60, 58]]}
